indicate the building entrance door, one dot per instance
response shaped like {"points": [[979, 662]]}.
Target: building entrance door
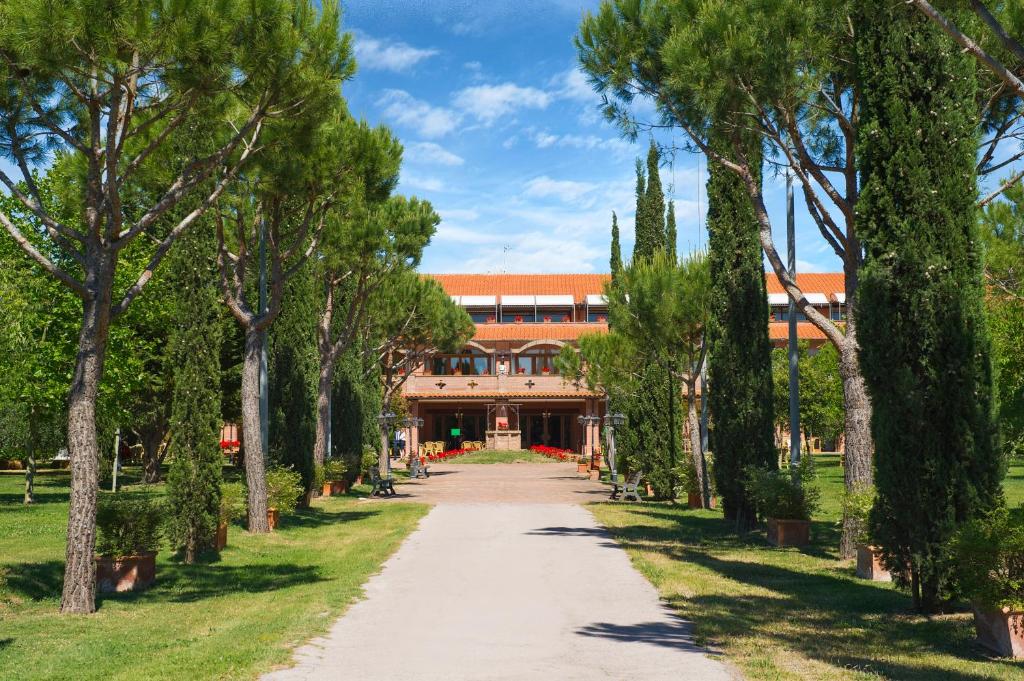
{"points": [[547, 429]]}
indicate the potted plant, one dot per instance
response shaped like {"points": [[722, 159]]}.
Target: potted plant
{"points": [[284, 486], [129, 529], [547, 319], [583, 464], [786, 501], [232, 507], [566, 318], [857, 506], [369, 461], [691, 482], [334, 477], [519, 319], [989, 556]]}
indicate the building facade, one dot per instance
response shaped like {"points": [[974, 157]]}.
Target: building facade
{"points": [[503, 389]]}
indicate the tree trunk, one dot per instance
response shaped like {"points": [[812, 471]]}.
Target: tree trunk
{"points": [[858, 472], [699, 462], [79, 592], [30, 467], [153, 449], [323, 411], [255, 468]]}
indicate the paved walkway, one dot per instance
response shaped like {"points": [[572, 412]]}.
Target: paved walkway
{"points": [[494, 589]]}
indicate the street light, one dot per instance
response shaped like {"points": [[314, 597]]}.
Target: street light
{"points": [[611, 422], [410, 422], [587, 422]]}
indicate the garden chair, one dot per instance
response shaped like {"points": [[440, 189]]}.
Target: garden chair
{"points": [[382, 487]]}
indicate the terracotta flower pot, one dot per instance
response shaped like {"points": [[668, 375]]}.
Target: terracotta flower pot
{"points": [[869, 564], [335, 487], [125, 573], [693, 500], [273, 517], [650, 490], [582, 467], [1001, 631], [359, 479], [786, 532], [222, 535], [595, 473]]}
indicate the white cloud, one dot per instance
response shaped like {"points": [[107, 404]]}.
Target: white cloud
{"points": [[544, 140], [510, 142], [430, 121], [467, 214], [568, 191], [379, 55], [572, 84], [427, 184], [435, 154], [488, 103]]}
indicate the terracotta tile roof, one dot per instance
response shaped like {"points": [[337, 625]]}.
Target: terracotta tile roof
{"points": [[804, 331], [579, 285], [811, 282], [527, 332], [576, 285]]}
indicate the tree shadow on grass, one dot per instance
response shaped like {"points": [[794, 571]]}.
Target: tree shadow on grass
{"points": [[824, 615], [311, 518], [4, 642], [34, 581]]}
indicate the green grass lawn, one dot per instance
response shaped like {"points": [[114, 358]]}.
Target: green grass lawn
{"points": [[228, 619], [797, 614], [495, 456]]}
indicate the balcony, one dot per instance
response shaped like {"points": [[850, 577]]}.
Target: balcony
{"points": [[491, 386]]}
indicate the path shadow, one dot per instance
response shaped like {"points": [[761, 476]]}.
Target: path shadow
{"points": [[596, 532], [675, 634]]}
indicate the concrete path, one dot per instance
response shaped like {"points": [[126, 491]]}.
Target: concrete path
{"points": [[510, 591]]}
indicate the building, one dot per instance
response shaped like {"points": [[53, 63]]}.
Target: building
{"points": [[503, 388]]}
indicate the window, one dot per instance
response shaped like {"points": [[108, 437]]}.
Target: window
{"points": [[838, 313], [514, 317], [482, 316], [554, 315], [472, 363], [783, 316], [597, 316], [537, 362]]}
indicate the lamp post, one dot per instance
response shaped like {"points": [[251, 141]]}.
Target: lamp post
{"points": [[588, 422], [612, 421], [386, 419], [411, 422]]}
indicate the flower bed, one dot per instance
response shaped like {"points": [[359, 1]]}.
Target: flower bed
{"points": [[449, 454], [554, 452]]}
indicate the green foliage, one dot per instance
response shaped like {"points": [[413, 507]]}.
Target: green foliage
{"points": [[650, 209], [857, 508], [369, 460], [128, 525], [925, 350], [822, 410], [740, 370], [335, 470], [193, 483], [284, 487], [233, 501], [615, 262], [989, 559], [688, 478], [781, 495]]}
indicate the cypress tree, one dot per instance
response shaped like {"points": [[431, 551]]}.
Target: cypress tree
{"points": [[193, 482], [740, 369], [293, 366], [650, 208], [923, 338], [616, 259], [670, 231]]}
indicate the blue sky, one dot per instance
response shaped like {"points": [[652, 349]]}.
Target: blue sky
{"points": [[504, 136]]}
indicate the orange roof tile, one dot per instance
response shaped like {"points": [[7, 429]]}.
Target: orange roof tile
{"points": [[576, 285], [804, 331], [811, 282], [528, 332]]}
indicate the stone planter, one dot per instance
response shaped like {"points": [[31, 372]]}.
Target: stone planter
{"points": [[785, 532], [1001, 631], [334, 488], [359, 479], [125, 573], [273, 517], [869, 564], [582, 467], [693, 500], [595, 473], [221, 539]]}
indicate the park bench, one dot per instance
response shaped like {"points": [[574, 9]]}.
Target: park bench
{"points": [[382, 487], [628, 490]]}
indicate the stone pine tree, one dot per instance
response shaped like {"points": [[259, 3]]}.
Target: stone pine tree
{"points": [[103, 95], [615, 263], [740, 370], [193, 482], [924, 343]]}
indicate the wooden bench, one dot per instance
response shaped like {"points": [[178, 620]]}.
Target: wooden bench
{"points": [[628, 490]]}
